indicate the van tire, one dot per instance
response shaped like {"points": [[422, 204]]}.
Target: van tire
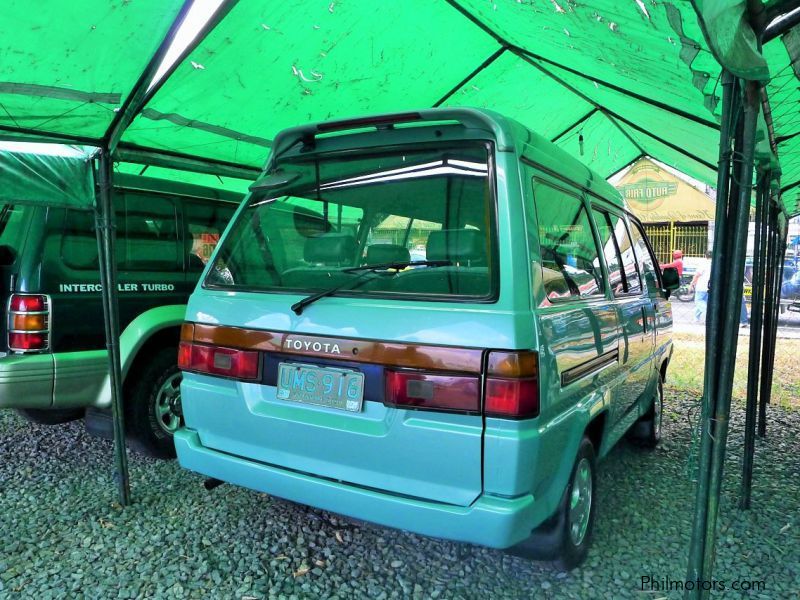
{"points": [[646, 432], [51, 416], [554, 539], [142, 430]]}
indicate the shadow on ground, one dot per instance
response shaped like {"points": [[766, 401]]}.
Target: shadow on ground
{"points": [[62, 535]]}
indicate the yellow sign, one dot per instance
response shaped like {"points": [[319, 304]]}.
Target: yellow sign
{"points": [[657, 196]]}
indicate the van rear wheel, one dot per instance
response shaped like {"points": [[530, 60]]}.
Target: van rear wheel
{"points": [[566, 536], [153, 410], [647, 430]]}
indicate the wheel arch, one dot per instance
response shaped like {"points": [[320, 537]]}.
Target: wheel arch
{"points": [[153, 328], [595, 430], [662, 370]]}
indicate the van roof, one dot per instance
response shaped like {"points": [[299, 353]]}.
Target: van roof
{"points": [[508, 134]]}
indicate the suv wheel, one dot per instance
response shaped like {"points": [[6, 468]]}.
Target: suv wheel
{"points": [[647, 430], [566, 536], [51, 416], [153, 410]]}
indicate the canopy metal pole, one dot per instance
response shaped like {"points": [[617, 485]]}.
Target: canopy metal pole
{"points": [[106, 237], [756, 321], [722, 330], [729, 110], [769, 316], [733, 297], [780, 252]]}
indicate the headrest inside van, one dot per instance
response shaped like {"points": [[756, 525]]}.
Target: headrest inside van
{"points": [[330, 249], [379, 254], [456, 245]]}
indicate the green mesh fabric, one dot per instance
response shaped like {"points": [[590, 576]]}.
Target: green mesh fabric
{"points": [[66, 66], [598, 143], [628, 77], [265, 68]]}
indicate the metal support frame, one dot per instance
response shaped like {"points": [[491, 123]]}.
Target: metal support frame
{"points": [[106, 228], [771, 334], [106, 242], [754, 373], [727, 275], [770, 315]]}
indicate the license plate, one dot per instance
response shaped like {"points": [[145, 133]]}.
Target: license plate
{"points": [[324, 386]]}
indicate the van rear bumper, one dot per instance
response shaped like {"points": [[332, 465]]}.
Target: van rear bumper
{"points": [[490, 521]]}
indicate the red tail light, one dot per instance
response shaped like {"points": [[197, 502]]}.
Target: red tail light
{"points": [[216, 360], [28, 322], [512, 388], [512, 385], [426, 390]]}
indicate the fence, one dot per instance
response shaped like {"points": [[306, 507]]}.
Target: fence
{"points": [[691, 239]]}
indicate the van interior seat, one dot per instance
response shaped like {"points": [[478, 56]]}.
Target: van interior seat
{"points": [[467, 275], [326, 254], [459, 246], [379, 254]]}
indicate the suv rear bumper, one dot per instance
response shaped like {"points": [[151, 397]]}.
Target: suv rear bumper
{"points": [[490, 521], [26, 381], [59, 380]]}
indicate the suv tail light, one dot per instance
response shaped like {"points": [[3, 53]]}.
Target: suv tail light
{"points": [[217, 360], [512, 385], [28, 323]]}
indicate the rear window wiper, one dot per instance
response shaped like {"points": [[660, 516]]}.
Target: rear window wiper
{"points": [[364, 270], [398, 265]]}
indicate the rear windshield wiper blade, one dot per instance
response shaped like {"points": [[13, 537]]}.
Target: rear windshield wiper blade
{"points": [[399, 265], [297, 307]]}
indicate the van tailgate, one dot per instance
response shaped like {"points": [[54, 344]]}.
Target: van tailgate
{"points": [[418, 453]]}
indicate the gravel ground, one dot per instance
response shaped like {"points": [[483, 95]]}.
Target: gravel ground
{"points": [[63, 536]]}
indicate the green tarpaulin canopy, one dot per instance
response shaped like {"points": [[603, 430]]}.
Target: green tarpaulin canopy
{"points": [[46, 174], [608, 80]]}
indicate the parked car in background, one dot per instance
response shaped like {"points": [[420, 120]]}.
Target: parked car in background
{"points": [[468, 397], [54, 366]]}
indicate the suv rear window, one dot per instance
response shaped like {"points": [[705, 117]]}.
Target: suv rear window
{"points": [[13, 227], [340, 213]]}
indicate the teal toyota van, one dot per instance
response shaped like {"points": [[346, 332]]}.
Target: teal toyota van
{"points": [[436, 321]]}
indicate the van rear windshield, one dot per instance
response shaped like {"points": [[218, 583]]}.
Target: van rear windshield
{"points": [[422, 218]]}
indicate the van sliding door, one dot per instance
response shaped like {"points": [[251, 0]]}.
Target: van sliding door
{"points": [[632, 304]]}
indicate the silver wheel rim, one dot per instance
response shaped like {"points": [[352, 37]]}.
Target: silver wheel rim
{"points": [[580, 501], [168, 404]]}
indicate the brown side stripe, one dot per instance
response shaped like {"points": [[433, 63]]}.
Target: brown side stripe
{"points": [[416, 356]]}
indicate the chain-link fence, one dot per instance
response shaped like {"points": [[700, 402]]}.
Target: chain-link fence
{"points": [[689, 355]]}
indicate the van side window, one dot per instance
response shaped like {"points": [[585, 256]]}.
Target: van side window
{"points": [[569, 251], [147, 233], [204, 222], [647, 262], [617, 250], [79, 242], [628, 256]]}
